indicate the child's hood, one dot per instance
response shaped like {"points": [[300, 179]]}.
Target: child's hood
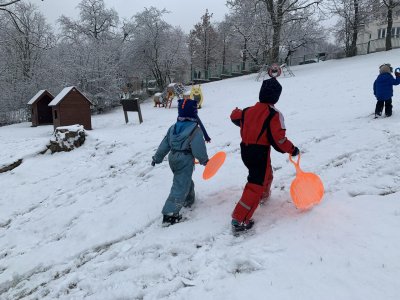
{"points": [[180, 132], [384, 76]]}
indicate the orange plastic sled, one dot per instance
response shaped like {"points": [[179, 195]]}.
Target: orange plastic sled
{"points": [[214, 164], [306, 189]]}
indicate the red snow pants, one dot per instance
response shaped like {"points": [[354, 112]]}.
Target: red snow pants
{"points": [[257, 159]]}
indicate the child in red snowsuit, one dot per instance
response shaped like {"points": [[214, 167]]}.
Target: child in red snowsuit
{"points": [[261, 126]]}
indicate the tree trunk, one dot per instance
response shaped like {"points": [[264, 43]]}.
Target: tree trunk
{"points": [[277, 19], [224, 56], [276, 40], [389, 26], [205, 51], [244, 57], [353, 46]]}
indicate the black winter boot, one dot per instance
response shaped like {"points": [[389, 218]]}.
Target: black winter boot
{"points": [[239, 227], [171, 220]]}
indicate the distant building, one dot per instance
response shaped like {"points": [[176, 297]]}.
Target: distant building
{"points": [[372, 35], [71, 107], [41, 113]]}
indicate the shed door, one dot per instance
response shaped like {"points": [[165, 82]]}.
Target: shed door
{"points": [[45, 111]]}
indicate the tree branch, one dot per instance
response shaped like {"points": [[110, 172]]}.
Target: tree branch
{"points": [[7, 4]]}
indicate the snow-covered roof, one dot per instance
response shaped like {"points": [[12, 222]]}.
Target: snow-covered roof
{"points": [[64, 93], [37, 96]]}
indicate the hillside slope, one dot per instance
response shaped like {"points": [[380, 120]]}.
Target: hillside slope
{"points": [[87, 224]]}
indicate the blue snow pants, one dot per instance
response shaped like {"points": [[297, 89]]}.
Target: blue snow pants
{"points": [[182, 190]]}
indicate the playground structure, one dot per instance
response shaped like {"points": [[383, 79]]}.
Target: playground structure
{"points": [[176, 90], [165, 98], [274, 70], [197, 95]]}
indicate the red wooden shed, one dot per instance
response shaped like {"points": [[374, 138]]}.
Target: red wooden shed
{"points": [[41, 112], [71, 107]]}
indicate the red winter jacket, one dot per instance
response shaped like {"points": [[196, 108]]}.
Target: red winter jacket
{"points": [[262, 124]]}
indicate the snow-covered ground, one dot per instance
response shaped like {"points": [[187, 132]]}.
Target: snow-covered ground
{"points": [[87, 224]]}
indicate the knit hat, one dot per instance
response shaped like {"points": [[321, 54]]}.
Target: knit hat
{"points": [[187, 110], [385, 68], [270, 91]]}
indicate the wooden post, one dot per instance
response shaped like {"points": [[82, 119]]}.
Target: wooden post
{"points": [[139, 112]]}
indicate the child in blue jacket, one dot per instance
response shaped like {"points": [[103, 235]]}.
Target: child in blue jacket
{"points": [[184, 142], [383, 89]]}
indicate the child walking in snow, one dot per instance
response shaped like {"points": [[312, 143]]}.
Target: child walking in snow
{"points": [[383, 89], [184, 142], [261, 126]]}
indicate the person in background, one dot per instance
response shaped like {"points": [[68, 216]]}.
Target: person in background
{"points": [[383, 90], [261, 126], [185, 142]]}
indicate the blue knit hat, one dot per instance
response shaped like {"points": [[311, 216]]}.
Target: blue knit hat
{"points": [[187, 109]]}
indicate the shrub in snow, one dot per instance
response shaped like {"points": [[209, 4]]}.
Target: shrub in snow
{"points": [[67, 138]]}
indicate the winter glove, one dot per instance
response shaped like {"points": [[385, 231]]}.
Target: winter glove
{"points": [[236, 116], [153, 163], [205, 163], [295, 151]]}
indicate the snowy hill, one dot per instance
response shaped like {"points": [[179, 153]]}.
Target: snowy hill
{"points": [[87, 224]]}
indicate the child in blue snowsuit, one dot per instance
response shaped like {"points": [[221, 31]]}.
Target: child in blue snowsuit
{"points": [[383, 89], [184, 142]]}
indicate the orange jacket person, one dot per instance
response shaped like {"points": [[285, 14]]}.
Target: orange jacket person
{"points": [[261, 126]]}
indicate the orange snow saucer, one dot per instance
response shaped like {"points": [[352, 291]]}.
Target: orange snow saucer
{"points": [[306, 189], [214, 164]]}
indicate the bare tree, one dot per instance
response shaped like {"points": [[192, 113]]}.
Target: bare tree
{"points": [[352, 14], [90, 49], [280, 13], [244, 23], [302, 34], [4, 4], [95, 21], [227, 47], [28, 35], [390, 6], [204, 42], [155, 47], [25, 39]]}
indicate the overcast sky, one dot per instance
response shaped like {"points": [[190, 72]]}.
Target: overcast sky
{"points": [[183, 13]]}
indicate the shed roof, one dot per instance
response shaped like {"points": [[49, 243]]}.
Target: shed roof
{"points": [[37, 96], [64, 93]]}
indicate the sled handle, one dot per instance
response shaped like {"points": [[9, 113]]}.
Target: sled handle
{"points": [[296, 164]]}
